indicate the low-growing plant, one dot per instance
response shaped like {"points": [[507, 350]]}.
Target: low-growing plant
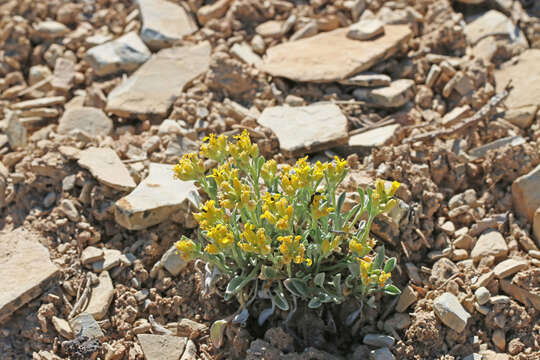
{"points": [[280, 233]]}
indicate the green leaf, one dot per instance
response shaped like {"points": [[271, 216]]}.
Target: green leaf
{"points": [[314, 303], [340, 202], [296, 287], [234, 286], [391, 290], [390, 265], [212, 188], [269, 273], [216, 333], [319, 279], [354, 268], [379, 258], [336, 283], [281, 301], [349, 282]]}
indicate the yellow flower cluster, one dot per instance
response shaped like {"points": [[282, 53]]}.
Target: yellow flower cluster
{"points": [[232, 191], [276, 210], [382, 196], [317, 209], [383, 277], [328, 247], [190, 167], [221, 237], [359, 249], [243, 149], [269, 171], [187, 249], [215, 148], [292, 249], [255, 242], [210, 215], [336, 169], [301, 175]]}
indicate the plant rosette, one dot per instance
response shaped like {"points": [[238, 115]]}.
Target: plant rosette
{"points": [[279, 234]]}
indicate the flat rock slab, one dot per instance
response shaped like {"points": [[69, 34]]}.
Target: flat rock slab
{"points": [[493, 23], [396, 94], [25, 270], [522, 295], [92, 121], [448, 308], [164, 23], [107, 168], [526, 194], [152, 89], [85, 325], [482, 151], [525, 76], [162, 347], [321, 125], [490, 243], [332, 56], [509, 267], [102, 296], [367, 79], [154, 199], [372, 138], [126, 53]]}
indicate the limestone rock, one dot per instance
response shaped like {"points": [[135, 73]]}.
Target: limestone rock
{"points": [[372, 138], [451, 312], [482, 295], [164, 23], [91, 254], [62, 327], [15, 131], [482, 151], [126, 53], [397, 94], [106, 167], [366, 29], [378, 340], [102, 296], [245, 53], [162, 347], [213, 11], [92, 121], [51, 29], [367, 79], [111, 259], [85, 325], [331, 56], [406, 299], [490, 243], [493, 23], [26, 270], [509, 267], [382, 354], [154, 200], [323, 125], [172, 261], [522, 295], [536, 225], [152, 89], [525, 194]]}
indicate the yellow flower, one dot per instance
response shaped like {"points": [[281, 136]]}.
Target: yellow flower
{"points": [[269, 171], [336, 169], [243, 149], [383, 197], [328, 247], [383, 277], [319, 169], [276, 210], [215, 148], [210, 215], [190, 167], [221, 236], [291, 249], [317, 210], [187, 249], [361, 249], [258, 243], [224, 173], [365, 268], [211, 249]]}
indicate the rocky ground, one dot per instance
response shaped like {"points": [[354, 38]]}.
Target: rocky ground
{"points": [[99, 97]]}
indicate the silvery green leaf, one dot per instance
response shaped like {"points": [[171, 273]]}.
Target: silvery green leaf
{"points": [[379, 258], [265, 314], [216, 333], [234, 286], [296, 287], [268, 273], [280, 300], [314, 303], [340, 202], [319, 279], [336, 282], [371, 303], [354, 268], [390, 265], [392, 290]]}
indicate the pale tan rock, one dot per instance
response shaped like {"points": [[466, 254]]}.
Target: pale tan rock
{"points": [[490, 243], [85, 325], [406, 299], [499, 339], [493, 23], [331, 56], [525, 194], [522, 295], [26, 270], [323, 125], [372, 138], [102, 296], [368, 79], [106, 167], [111, 258], [455, 115], [525, 76], [162, 347], [154, 200], [366, 29], [164, 23], [451, 312], [536, 225], [213, 11], [51, 29], [483, 150], [522, 117], [271, 28], [42, 102], [91, 120], [62, 327], [397, 94], [244, 52], [152, 89], [91, 254], [64, 74], [509, 267]]}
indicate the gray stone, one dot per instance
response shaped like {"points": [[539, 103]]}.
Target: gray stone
{"points": [[51, 29], [41, 102], [308, 30], [162, 347], [84, 324], [244, 52], [152, 89], [323, 126], [499, 300], [91, 254], [493, 23], [111, 259], [483, 150], [451, 312], [372, 138], [525, 77], [378, 340], [332, 56], [381, 354], [509, 267], [154, 200], [490, 243], [102, 296], [126, 53], [172, 261], [482, 295], [107, 168], [525, 194], [397, 94], [366, 29], [164, 23], [367, 79], [15, 131], [92, 121], [26, 270], [473, 356], [406, 299], [455, 115]]}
